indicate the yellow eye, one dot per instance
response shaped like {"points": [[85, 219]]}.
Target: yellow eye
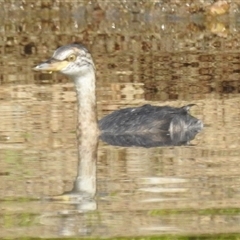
{"points": [[71, 58]]}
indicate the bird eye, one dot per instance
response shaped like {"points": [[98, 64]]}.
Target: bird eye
{"points": [[71, 58]]}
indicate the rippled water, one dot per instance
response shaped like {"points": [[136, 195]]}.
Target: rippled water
{"points": [[145, 52]]}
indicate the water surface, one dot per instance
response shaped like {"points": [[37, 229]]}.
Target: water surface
{"points": [[153, 52]]}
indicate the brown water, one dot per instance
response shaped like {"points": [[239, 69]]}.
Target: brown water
{"points": [[145, 52]]}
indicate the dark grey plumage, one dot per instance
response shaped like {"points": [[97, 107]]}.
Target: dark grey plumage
{"points": [[149, 119]]}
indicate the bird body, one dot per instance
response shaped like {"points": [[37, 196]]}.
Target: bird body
{"points": [[148, 119], [75, 61]]}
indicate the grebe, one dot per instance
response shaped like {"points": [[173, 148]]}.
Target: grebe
{"points": [[75, 61]]}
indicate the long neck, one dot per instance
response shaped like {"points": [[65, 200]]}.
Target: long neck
{"points": [[86, 99], [87, 132]]}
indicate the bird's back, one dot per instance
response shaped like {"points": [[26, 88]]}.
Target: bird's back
{"points": [[148, 119]]}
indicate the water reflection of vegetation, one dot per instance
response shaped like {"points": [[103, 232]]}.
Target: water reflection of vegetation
{"points": [[20, 220], [210, 211], [19, 199], [207, 237], [171, 237], [14, 158]]}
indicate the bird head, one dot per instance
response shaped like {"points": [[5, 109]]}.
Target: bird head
{"points": [[71, 60]]}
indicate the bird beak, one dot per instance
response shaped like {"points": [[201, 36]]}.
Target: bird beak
{"points": [[51, 65]]}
